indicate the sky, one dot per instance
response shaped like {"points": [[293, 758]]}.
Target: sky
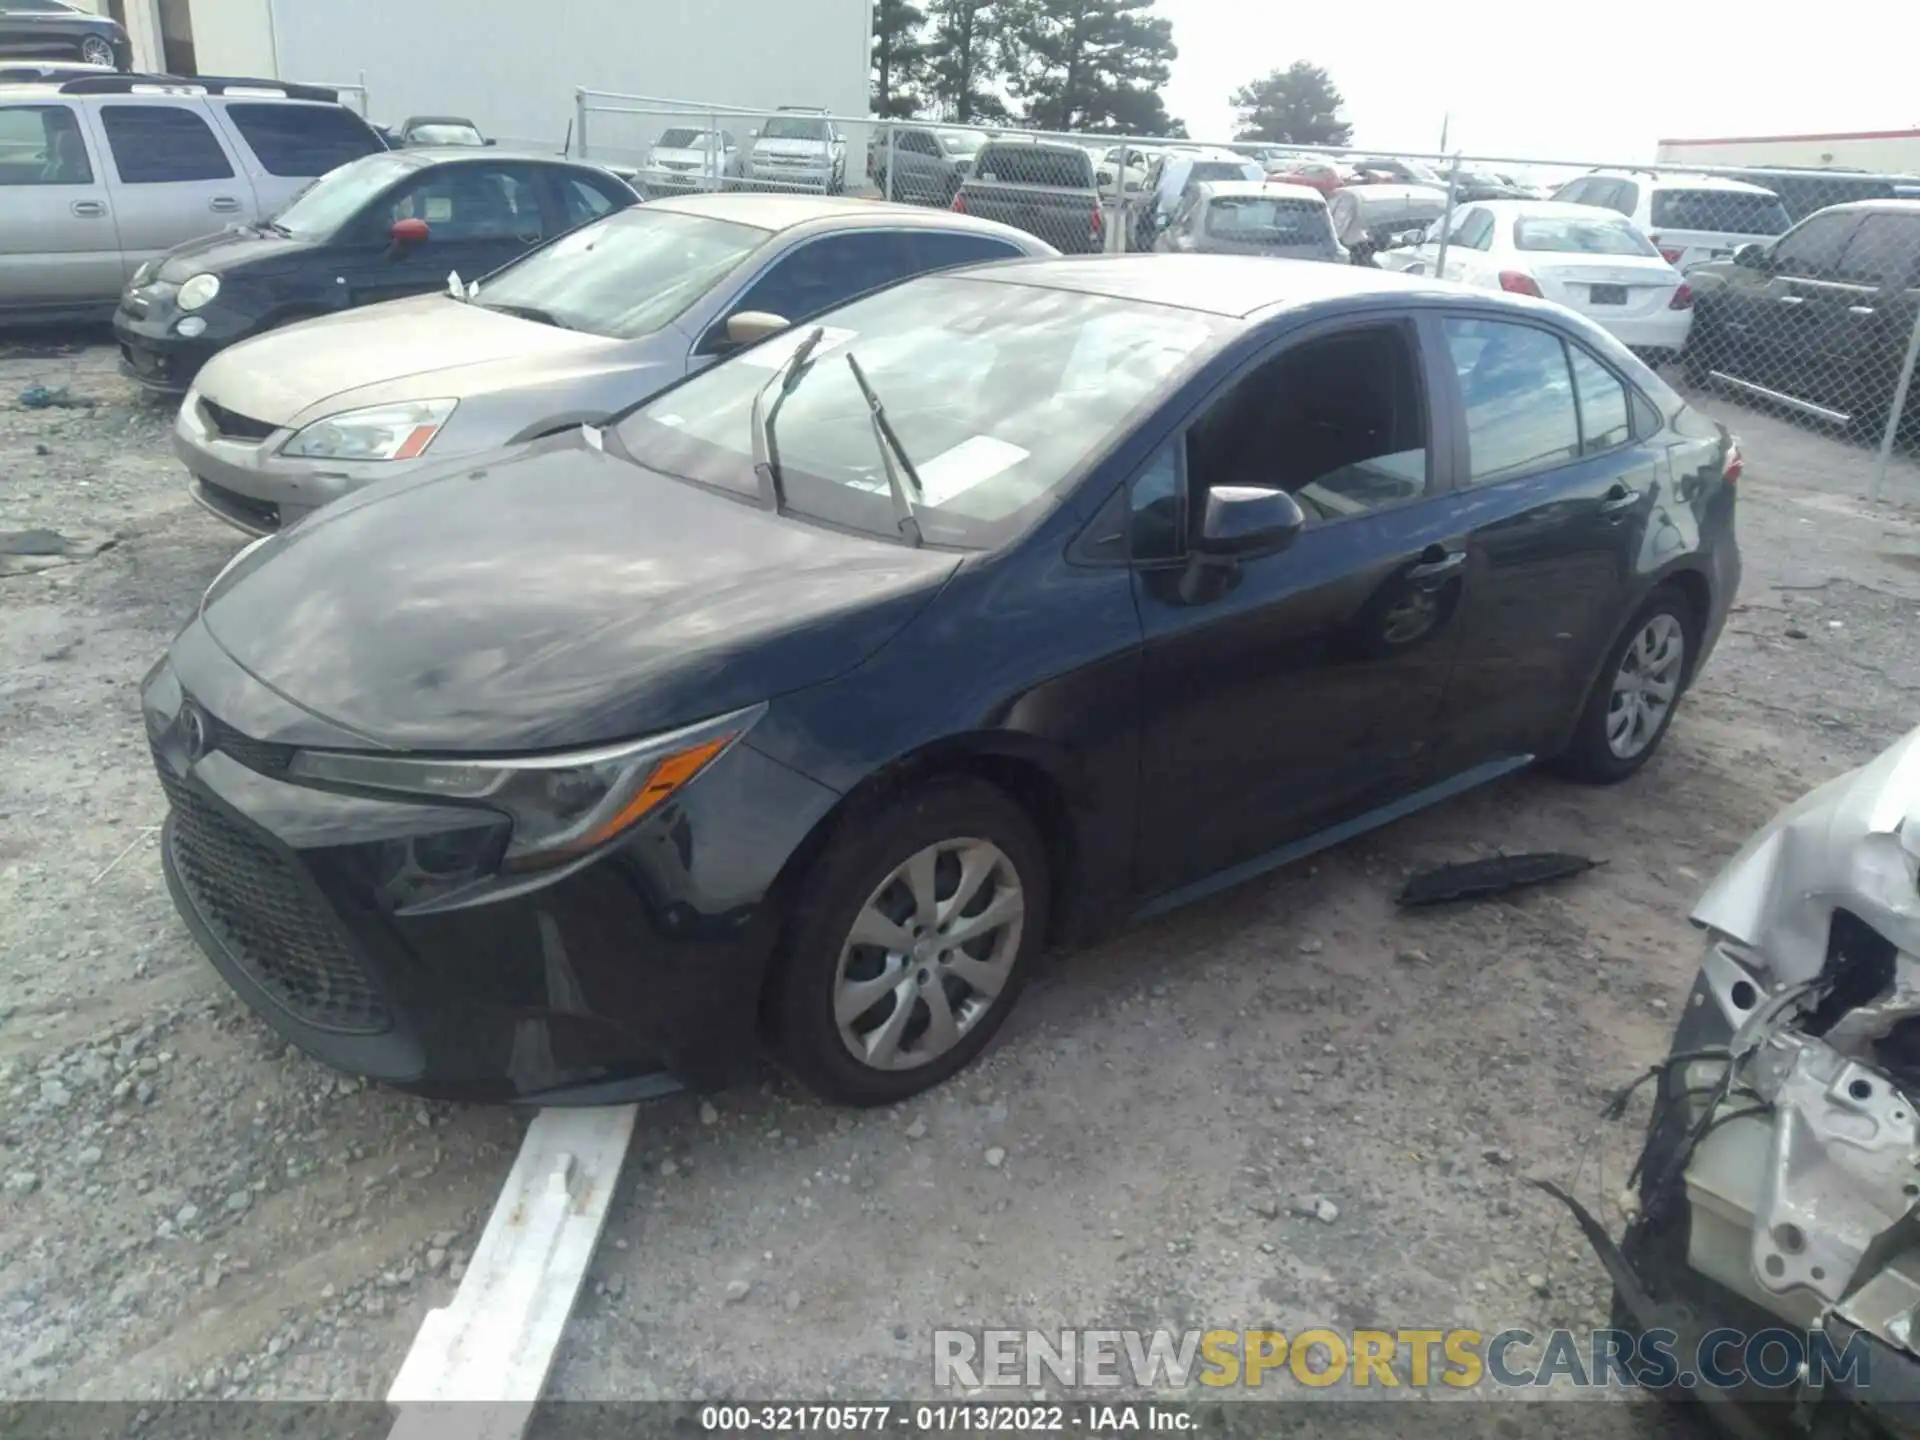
{"points": [[1593, 82]]}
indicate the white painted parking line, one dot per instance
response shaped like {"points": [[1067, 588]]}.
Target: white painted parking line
{"points": [[495, 1342]]}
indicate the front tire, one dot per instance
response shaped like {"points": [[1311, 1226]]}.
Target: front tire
{"points": [[1633, 702], [912, 938], [94, 50]]}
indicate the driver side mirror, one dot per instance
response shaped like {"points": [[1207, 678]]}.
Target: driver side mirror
{"points": [[1245, 522], [750, 327], [408, 233], [1752, 256]]}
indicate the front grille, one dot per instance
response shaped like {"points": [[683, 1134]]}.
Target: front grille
{"points": [[274, 926], [234, 425], [261, 755], [260, 516]]}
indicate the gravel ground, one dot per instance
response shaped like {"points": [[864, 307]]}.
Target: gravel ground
{"points": [[1289, 1106]]}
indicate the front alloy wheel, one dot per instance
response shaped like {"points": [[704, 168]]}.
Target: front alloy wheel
{"points": [[909, 940], [929, 954], [96, 51]]}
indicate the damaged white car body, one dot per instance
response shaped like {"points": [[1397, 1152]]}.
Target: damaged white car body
{"points": [[1784, 1151]]}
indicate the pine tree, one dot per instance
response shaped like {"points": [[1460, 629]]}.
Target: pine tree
{"points": [[965, 53], [899, 57], [1091, 65], [1295, 106]]}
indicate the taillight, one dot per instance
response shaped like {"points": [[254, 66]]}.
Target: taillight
{"points": [[959, 202], [1669, 253], [1517, 282], [1099, 224], [1735, 463], [1682, 298]]}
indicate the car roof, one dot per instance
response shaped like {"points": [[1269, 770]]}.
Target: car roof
{"points": [[1242, 189], [1231, 285], [1887, 205], [777, 212], [1679, 181], [1545, 209], [413, 120]]}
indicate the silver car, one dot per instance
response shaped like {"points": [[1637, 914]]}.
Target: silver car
{"points": [[1237, 217], [688, 157], [587, 325]]}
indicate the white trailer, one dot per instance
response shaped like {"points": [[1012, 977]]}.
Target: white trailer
{"points": [[1887, 152]]}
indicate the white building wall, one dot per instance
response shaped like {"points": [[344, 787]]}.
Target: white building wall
{"points": [[1887, 152], [514, 67]]}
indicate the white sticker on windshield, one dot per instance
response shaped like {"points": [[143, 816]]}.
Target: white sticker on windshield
{"points": [[777, 351], [970, 463]]}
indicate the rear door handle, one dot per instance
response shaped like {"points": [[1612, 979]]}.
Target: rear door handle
{"points": [[89, 209], [1793, 299], [1437, 562], [1860, 310], [1617, 499], [225, 204]]}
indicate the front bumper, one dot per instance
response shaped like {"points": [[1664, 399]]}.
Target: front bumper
{"points": [[152, 350], [1664, 332], [792, 177], [240, 476], [375, 934]]}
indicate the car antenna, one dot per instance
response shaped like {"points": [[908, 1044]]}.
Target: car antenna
{"points": [[890, 446], [766, 449]]}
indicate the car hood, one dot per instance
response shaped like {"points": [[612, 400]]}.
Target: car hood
{"points": [[558, 596], [229, 250], [425, 347], [800, 149]]}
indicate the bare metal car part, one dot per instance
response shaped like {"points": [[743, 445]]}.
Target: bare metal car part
{"points": [[1781, 1172]]}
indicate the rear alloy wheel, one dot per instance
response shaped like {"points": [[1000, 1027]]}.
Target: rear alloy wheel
{"points": [[912, 944], [1639, 689], [96, 51]]}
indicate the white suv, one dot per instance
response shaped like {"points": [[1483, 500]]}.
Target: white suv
{"points": [[799, 149], [1691, 218]]}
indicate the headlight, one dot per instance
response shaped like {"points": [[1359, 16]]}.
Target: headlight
{"points": [[562, 806], [382, 432], [198, 291]]}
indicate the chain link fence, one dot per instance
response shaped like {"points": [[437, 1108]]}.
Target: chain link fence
{"points": [[1793, 292]]}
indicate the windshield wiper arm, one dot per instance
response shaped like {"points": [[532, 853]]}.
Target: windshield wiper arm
{"points": [[766, 449], [890, 446]]}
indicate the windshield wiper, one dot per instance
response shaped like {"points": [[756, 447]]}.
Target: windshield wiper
{"points": [[890, 446], [527, 312], [766, 449]]}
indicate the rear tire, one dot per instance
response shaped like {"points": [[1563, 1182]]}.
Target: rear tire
{"points": [[956, 875], [1637, 693]]}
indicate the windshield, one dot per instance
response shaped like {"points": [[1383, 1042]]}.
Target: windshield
{"points": [[683, 139], [625, 275], [1731, 212], [336, 197], [794, 127], [1269, 221], [1000, 393], [961, 142], [1581, 236], [444, 135]]}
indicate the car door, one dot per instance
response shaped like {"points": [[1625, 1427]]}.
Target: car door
{"points": [[1866, 314], [1472, 237], [174, 177], [1554, 515], [33, 27], [479, 215], [1771, 325], [1285, 694], [920, 167], [813, 275], [59, 245]]}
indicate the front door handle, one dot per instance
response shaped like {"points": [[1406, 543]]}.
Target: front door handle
{"points": [[1862, 310], [1619, 498], [89, 209], [1792, 299], [224, 205], [1437, 562]]}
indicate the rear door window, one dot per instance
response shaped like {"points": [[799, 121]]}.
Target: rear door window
{"points": [[942, 249], [1517, 392], [302, 139], [42, 145], [161, 144], [1728, 212], [1884, 252]]}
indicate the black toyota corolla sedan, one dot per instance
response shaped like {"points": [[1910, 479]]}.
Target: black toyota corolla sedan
{"points": [[802, 705]]}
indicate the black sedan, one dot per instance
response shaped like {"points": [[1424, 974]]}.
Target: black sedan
{"points": [[805, 703], [382, 227], [53, 30]]}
